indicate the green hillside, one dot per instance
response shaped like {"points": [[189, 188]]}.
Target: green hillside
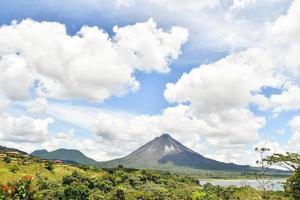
{"points": [[29, 178], [66, 155]]}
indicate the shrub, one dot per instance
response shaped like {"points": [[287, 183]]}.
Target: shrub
{"points": [[20, 189], [14, 168], [49, 166], [76, 192], [203, 196], [120, 194], [104, 185], [75, 177], [7, 159], [97, 195], [292, 186]]}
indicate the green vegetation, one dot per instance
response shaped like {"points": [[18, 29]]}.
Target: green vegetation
{"points": [[49, 166], [290, 161], [19, 189], [7, 159], [50, 181]]}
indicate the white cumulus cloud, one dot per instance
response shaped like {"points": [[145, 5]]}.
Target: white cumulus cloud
{"points": [[89, 64], [23, 128]]}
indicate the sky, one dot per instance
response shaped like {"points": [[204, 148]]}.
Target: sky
{"points": [[105, 77]]}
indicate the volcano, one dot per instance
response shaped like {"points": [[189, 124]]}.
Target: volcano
{"points": [[166, 152]]}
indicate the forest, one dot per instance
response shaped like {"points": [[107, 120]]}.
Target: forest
{"points": [[26, 178]]}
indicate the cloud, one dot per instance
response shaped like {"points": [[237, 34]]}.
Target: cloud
{"points": [[70, 140], [149, 48], [214, 25], [39, 106], [23, 129], [288, 100], [15, 77], [238, 79], [294, 141], [212, 101], [3, 104], [89, 64], [221, 93], [116, 128], [234, 129], [232, 82], [80, 116], [240, 4], [177, 5]]}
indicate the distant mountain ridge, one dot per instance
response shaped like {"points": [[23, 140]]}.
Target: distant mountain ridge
{"points": [[161, 153], [7, 149], [165, 150], [68, 155]]}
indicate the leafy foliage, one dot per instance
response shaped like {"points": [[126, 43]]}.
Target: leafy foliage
{"points": [[49, 166], [66, 182], [293, 185], [7, 159], [17, 190], [289, 161]]}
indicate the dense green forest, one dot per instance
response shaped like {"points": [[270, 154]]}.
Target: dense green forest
{"points": [[25, 178]]}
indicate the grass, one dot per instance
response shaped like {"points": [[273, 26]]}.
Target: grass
{"points": [[38, 168]]}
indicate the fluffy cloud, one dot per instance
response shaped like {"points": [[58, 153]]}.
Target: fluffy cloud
{"points": [[234, 129], [294, 141], [213, 100], [240, 4], [39, 106], [89, 64], [288, 100], [3, 104], [237, 80], [67, 140], [214, 24], [229, 83], [23, 128], [240, 155], [70, 140], [220, 93], [15, 77]]}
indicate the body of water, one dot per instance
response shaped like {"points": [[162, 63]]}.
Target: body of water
{"points": [[274, 184]]}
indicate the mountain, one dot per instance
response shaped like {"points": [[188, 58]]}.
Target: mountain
{"points": [[68, 155], [164, 151], [7, 149]]}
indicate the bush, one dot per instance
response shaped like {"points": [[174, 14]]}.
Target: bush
{"points": [[292, 186], [14, 168], [104, 185], [20, 189], [7, 159], [49, 166], [75, 177], [203, 196], [97, 195], [120, 194], [76, 192]]}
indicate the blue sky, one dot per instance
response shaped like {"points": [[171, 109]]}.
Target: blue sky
{"points": [[214, 74]]}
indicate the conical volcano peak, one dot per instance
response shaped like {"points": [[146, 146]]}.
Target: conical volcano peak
{"points": [[165, 136], [166, 141], [166, 150]]}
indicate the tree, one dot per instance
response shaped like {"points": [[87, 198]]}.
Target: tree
{"points": [[120, 194], [76, 192], [261, 176], [49, 166], [7, 159], [290, 161]]}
